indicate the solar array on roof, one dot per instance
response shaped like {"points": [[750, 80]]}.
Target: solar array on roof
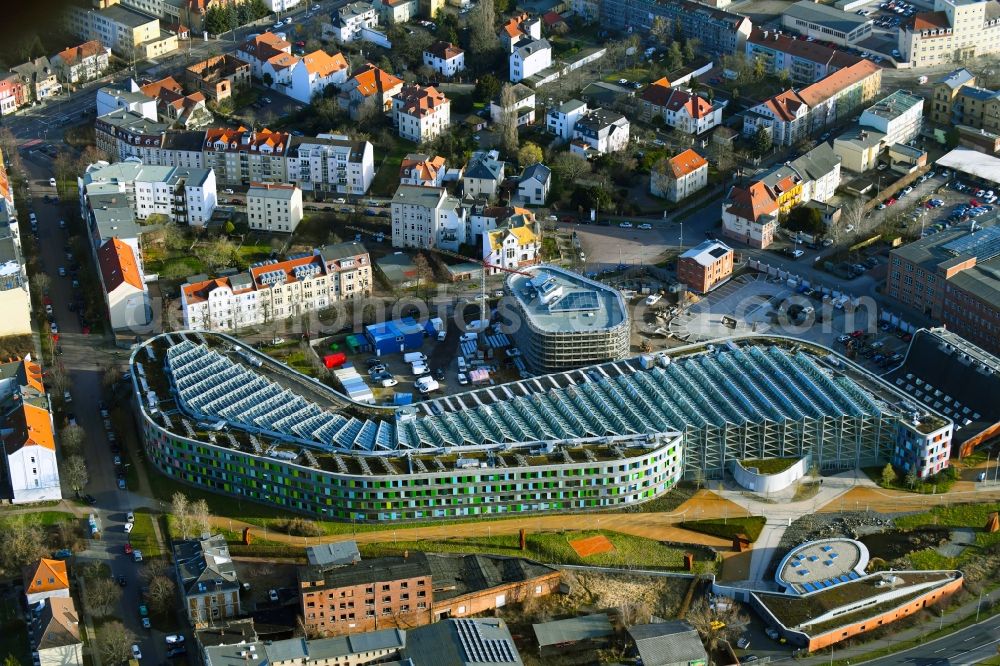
{"points": [[984, 244], [481, 650], [575, 301]]}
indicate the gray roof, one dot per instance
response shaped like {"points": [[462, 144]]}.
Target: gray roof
{"points": [[462, 642], [249, 654], [956, 79], [341, 552], [183, 140], [484, 167], [862, 137], [283, 193], [125, 16], [707, 252], [113, 216], [415, 195], [667, 643], [381, 569], [818, 162], [241, 281], [204, 565], [293, 649], [980, 94], [904, 149], [534, 46], [133, 122], [829, 16], [572, 630], [35, 70], [455, 575], [538, 172], [333, 253], [521, 93], [571, 106], [553, 298], [357, 148], [895, 105], [598, 119], [228, 632]]}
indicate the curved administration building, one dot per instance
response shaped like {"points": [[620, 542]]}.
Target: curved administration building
{"points": [[217, 414]]}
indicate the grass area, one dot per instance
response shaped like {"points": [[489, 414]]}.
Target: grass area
{"points": [[44, 518], [387, 179], [727, 528], [957, 515], [770, 465], [143, 536], [939, 483]]}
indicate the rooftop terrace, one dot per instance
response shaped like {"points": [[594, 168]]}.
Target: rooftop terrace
{"points": [[557, 300]]}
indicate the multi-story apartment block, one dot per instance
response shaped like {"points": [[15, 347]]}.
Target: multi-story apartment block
{"points": [[483, 175], [679, 177], [750, 215], [369, 82], [258, 50], [975, 107], [425, 217], [791, 116], [390, 592], [122, 134], [529, 57], [351, 20], [39, 76], [523, 106], [392, 12], [331, 163], [420, 114], [128, 33], [561, 120], [717, 31], [208, 581], [424, 170], [29, 468], [599, 132], [819, 171], [956, 31], [826, 23], [858, 148], [274, 207], [181, 148], [899, 116], [925, 447], [218, 77], [803, 61], [242, 156], [277, 290], [678, 108], [129, 97], [705, 266], [944, 107], [951, 277], [445, 58], [79, 64]]}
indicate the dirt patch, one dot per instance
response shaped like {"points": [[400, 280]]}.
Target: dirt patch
{"points": [[893, 544], [592, 545]]}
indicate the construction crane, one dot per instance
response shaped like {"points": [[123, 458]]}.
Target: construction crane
{"points": [[482, 277]]}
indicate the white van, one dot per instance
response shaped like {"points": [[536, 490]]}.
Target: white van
{"points": [[414, 357], [419, 369], [426, 384]]}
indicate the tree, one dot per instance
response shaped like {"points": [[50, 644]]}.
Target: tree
{"points": [[726, 622], [267, 79], [220, 19], [218, 253], [889, 475], [688, 51], [487, 88], [11, 660], [852, 213], [42, 281], [229, 227], [370, 111], [424, 273], [482, 28], [507, 127], [569, 167], [661, 30], [58, 378], [111, 374], [592, 198], [529, 154], [162, 591], [761, 141], [102, 596], [180, 509], [74, 473], [21, 542], [675, 58], [172, 236], [911, 478], [805, 218], [201, 517], [115, 642]]}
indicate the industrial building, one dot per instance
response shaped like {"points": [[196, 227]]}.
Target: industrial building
{"points": [[562, 320], [219, 415]]}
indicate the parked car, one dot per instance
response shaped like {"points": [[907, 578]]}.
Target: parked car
{"points": [[136, 652], [273, 595], [625, 225]]}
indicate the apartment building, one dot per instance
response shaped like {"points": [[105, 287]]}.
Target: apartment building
{"points": [[176, 107], [127, 96], [424, 217], [445, 58], [899, 116], [15, 298], [951, 277], [123, 134], [793, 115], [529, 57], [974, 107], [13, 93], [392, 12], [314, 72], [56, 636], [523, 105], [331, 163], [277, 290], [369, 82], [207, 579], [705, 266], [956, 31], [29, 468], [79, 64], [420, 114], [945, 96], [534, 183], [750, 215], [679, 177], [826, 23], [128, 33], [260, 49], [926, 450], [858, 148], [819, 171], [218, 77], [351, 20], [519, 28], [599, 132], [242, 156], [678, 108], [39, 77], [803, 61], [124, 287], [561, 120], [274, 207], [717, 31], [423, 170]]}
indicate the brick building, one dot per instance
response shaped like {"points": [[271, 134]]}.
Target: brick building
{"points": [[705, 266]]}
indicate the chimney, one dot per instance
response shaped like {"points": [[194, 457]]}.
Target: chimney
{"points": [[406, 554]]}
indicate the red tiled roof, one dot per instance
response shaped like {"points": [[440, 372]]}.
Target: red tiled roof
{"points": [[422, 169], [197, 292], [28, 425], [752, 202], [829, 86], [118, 266], [265, 46], [419, 102], [85, 50], [686, 163], [324, 64], [45, 576], [930, 21], [370, 79], [659, 93], [255, 139], [800, 48], [444, 50], [157, 88], [785, 105], [287, 267]]}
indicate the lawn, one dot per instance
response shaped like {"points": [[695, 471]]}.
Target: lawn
{"points": [[44, 518], [939, 483], [957, 515], [770, 465], [143, 537], [387, 179], [727, 528]]}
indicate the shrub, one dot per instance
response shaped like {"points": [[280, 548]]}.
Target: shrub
{"points": [[299, 527]]}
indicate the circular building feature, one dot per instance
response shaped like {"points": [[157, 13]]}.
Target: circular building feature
{"points": [[818, 565]]}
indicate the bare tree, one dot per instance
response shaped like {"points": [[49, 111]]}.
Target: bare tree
{"points": [[507, 127], [21, 542], [111, 374], [180, 509], [482, 25], [72, 438], [74, 472], [635, 611], [852, 213], [201, 517], [115, 642], [102, 596], [42, 281], [570, 167], [58, 378], [726, 622], [162, 591], [370, 111]]}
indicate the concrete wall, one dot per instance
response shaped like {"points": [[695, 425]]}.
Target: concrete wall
{"points": [[768, 483], [16, 308]]}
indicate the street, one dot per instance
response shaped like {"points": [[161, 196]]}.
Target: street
{"points": [[968, 646]]}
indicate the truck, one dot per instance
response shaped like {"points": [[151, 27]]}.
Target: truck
{"points": [[414, 357]]}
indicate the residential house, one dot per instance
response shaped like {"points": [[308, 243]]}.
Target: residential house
{"points": [[785, 185], [422, 170], [523, 106], [127, 97], [30, 472], [444, 58], [276, 72], [218, 77], [350, 21], [561, 120], [241, 156], [679, 177], [518, 28], [369, 83], [425, 217], [680, 109], [945, 96], [207, 579], [420, 114], [750, 215], [175, 107], [56, 640], [599, 132], [278, 6], [483, 175], [976, 107], [79, 64], [125, 292], [314, 72], [529, 57], [533, 185], [819, 170], [40, 78], [804, 62], [45, 579], [331, 163], [392, 12], [13, 93], [515, 245], [705, 266], [274, 207], [259, 49]]}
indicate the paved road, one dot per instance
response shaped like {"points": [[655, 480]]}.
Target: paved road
{"points": [[968, 646]]}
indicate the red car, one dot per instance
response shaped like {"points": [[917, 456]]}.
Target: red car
{"points": [[857, 334], [974, 203], [890, 201], [128, 549]]}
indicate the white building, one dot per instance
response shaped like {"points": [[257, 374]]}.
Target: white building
{"points": [[125, 292], [533, 185], [274, 207], [524, 106], [819, 170], [281, 5], [313, 72], [529, 57], [420, 114], [279, 290], [600, 132], [444, 58], [27, 435], [679, 177], [483, 175], [331, 163], [956, 31], [425, 217], [898, 116], [397, 11], [562, 119], [516, 244], [81, 63], [351, 20], [129, 97], [422, 170], [520, 28], [681, 109]]}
